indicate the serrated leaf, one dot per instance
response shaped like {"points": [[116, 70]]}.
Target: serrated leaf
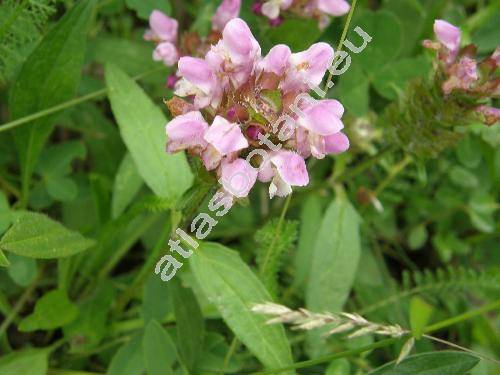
{"points": [[30, 361], [233, 288], [142, 128], [420, 314], [53, 310], [159, 350], [49, 76], [35, 235], [127, 184], [438, 363]]}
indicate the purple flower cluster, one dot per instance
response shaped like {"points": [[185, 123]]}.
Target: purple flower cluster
{"points": [[249, 117]]}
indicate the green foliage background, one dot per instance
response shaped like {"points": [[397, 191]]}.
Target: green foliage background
{"points": [[402, 229]]}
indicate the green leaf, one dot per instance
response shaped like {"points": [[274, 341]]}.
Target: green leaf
{"points": [[159, 350], [53, 310], [22, 270], [61, 188], [35, 235], [420, 315], [334, 262], [437, 363], [464, 178], [233, 288], [143, 8], [5, 214], [90, 327], [469, 152], [189, 323], [417, 237], [30, 361], [127, 184], [156, 300], [57, 159], [353, 90], [4, 262], [49, 76], [296, 33], [142, 128], [128, 360], [387, 40]]}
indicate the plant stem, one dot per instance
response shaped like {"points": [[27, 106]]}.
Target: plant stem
{"points": [[380, 344], [342, 39], [395, 170], [70, 103], [20, 303], [229, 354]]}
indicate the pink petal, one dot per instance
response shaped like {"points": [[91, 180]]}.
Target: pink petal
{"points": [[334, 7], [276, 61], [240, 42], [291, 168], [211, 157], [225, 136], [238, 177], [163, 27], [322, 118], [336, 143], [186, 131], [227, 10], [266, 172], [448, 35], [167, 53], [198, 72]]}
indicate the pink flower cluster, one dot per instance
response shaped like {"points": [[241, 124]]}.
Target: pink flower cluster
{"points": [[462, 71], [164, 32], [318, 9], [249, 117]]}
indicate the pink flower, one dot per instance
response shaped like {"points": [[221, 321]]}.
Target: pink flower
{"points": [[186, 132], [237, 177], [276, 61], [308, 67], [491, 114], [167, 53], [163, 28], [449, 36], [463, 75], [198, 80], [224, 138], [236, 53], [333, 7], [284, 169], [271, 8], [319, 129], [225, 12]]}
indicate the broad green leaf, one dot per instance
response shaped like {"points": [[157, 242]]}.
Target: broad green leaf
{"points": [[189, 323], [61, 188], [142, 125], [387, 40], [339, 367], [463, 177], [159, 350], [156, 300], [5, 214], [143, 8], [469, 152], [35, 235], [420, 315], [57, 159], [334, 262], [4, 262], [22, 270], [488, 35], [127, 184], [30, 361], [353, 90], [128, 360], [90, 326], [412, 16], [53, 310], [213, 359], [310, 220], [49, 76], [437, 363], [417, 237], [233, 288], [296, 33]]}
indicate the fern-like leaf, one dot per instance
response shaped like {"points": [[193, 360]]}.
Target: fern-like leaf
{"points": [[441, 283], [21, 26], [274, 240]]}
